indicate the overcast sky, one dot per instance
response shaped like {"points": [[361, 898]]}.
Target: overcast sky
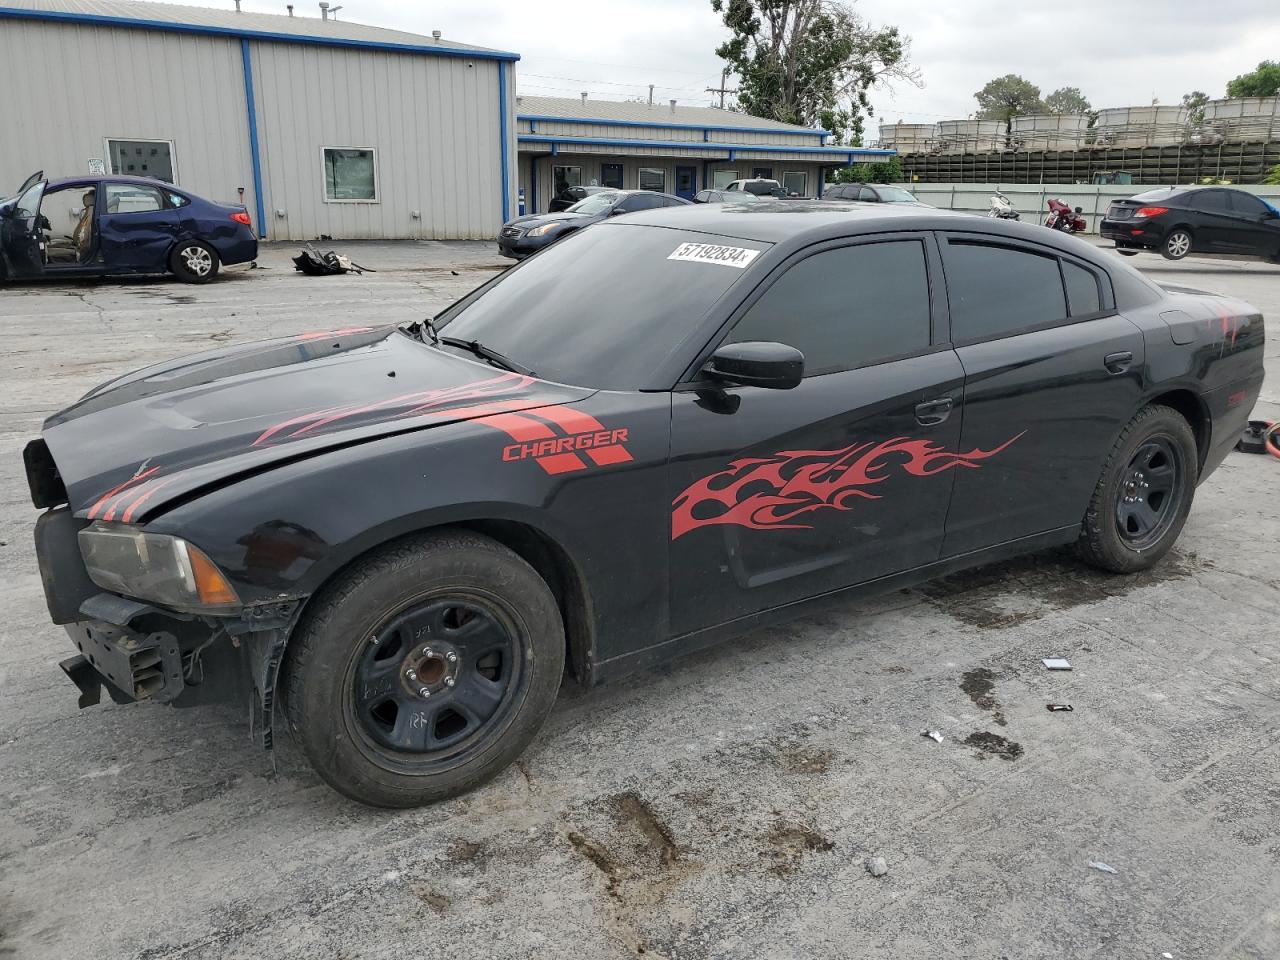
{"points": [[1118, 53]]}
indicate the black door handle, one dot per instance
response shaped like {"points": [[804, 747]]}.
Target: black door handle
{"points": [[932, 412], [1118, 362]]}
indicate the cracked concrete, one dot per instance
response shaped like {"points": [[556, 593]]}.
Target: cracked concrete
{"points": [[722, 807]]}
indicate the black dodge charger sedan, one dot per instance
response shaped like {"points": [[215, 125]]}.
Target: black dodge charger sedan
{"points": [[527, 235], [1176, 221], [685, 425]]}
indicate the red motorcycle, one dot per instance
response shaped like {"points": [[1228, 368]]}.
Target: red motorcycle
{"points": [[1062, 217]]}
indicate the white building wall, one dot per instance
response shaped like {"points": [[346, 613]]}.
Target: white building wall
{"points": [[611, 131], [71, 87], [433, 122]]}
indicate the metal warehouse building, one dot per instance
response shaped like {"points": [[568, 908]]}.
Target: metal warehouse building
{"points": [[665, 147], [320, 127]]}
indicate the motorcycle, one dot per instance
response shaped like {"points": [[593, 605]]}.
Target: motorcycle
{"points": [[1062, 217], [1002, 207]]}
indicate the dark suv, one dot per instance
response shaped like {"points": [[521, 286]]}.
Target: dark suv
{"points": [[1177, 221], [869, 193]]}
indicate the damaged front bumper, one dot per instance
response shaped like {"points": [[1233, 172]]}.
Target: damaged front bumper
{"points": [[140, 652]]}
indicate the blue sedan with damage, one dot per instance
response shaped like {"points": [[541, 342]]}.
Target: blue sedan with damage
{"points": [[108, 225]]}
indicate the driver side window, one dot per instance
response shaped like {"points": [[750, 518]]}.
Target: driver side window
{"points": [[848, 307]]}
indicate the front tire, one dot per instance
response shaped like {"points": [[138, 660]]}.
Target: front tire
{"points": [[1176, 245], [1145, 492], [424, 670], [1126, 253], [194, 261]]}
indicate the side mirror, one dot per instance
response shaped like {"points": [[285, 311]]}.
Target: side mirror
{"points": [[1079, 209], [616, 209], [774, 366], [1270, 214]]}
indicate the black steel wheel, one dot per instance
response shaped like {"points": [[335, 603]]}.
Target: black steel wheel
{"points": [[430, 681], [424, 669], [1149, 492], [1144, 494]]}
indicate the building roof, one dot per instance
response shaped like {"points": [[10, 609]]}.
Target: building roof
{"points": [[644, 114], [262, 26]]}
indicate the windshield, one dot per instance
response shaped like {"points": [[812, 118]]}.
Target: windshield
{"points": [[603, 308], [741, 196], [896, 195], [769, 188], [596, 203]]}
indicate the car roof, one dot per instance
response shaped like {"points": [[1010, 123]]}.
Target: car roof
{"points": [[92, 179], [801, 222]]}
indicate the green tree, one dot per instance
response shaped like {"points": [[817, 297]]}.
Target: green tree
{"points": [[1274, 175], [1262, 82], [1007, 97], [1194, 103], [1068, 100], [890, 172], [810, 62]]}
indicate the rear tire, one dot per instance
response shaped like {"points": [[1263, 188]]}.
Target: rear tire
{"points": [[450, 613], [194, 261], [1176, 245], [1145, 492]]}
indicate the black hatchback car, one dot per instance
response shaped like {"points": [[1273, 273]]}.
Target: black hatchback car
{"points": [[653, 436], [527, 235], [1176, 221]]}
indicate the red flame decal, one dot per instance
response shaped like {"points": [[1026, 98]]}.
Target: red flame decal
{"points": [[780, 491], [418, 403]]}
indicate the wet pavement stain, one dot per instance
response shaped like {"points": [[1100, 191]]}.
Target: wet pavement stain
{"points": [[788, 843], [980, 685], [632, 809], [1051, 581], [992, 744], [807, 761]]}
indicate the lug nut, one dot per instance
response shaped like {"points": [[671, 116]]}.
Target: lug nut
{"points": [[449, 681], [426, 651], [424, 692], [452, 658], [410, 675]]}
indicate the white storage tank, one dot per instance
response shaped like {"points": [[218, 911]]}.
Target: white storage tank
{"points": [[971, 136], [1150, 126], [1243, 119], [907, 137], [1049, 131]]}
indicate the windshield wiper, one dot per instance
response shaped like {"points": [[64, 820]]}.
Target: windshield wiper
{"points": [[421, 330], [485, 353]]}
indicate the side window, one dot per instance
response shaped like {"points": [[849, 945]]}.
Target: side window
{"points": [[997, 291], [848, 307], [176, 200], [1082, 289], [1210, 201], [1246, 204], [703, 196], [132, 198]]}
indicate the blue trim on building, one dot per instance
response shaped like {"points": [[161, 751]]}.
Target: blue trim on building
{"points": [[253, 139], [502, 136], [94, 19], [533, 183], [655, 124], [733, 148]]}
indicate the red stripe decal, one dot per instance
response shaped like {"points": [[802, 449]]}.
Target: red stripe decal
{"points": [[569, 420], [561, 463], [127, 516], [118, 488], [518, 428], [603, 456]]}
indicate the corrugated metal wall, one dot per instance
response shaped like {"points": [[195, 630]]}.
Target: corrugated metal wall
{"points": [[433, 122], [591, 170], [71, 87], [658, 132]]}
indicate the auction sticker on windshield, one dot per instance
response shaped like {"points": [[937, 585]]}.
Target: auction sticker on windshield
{"points": [[713, 253]]}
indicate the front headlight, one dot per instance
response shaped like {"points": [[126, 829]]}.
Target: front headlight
{"points": [[543, 230], [153, 566]]}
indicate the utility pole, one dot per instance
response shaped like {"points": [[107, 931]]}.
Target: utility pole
{"points": [[724, 77]]}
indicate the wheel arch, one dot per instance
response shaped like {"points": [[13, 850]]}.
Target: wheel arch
{"points": [[1193, 409], [548, 556]]}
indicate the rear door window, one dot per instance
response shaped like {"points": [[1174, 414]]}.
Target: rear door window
{"points": [[132, 198], [847, 307], [1210, 201], [998, 291], [1083, 293]]}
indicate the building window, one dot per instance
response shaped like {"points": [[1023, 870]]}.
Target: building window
{"points": [[796, 183], [562, 178], [722, 178], [142, 158], [350, 175], [653, 178]]}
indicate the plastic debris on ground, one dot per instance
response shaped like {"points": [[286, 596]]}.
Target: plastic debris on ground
{"points": [[1056, 663], [877, 867], [1104, 867], [934, 735], [1059, 707]]}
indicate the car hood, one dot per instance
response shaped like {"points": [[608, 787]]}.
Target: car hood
{"points": [[136, 443], [536, 219]]}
